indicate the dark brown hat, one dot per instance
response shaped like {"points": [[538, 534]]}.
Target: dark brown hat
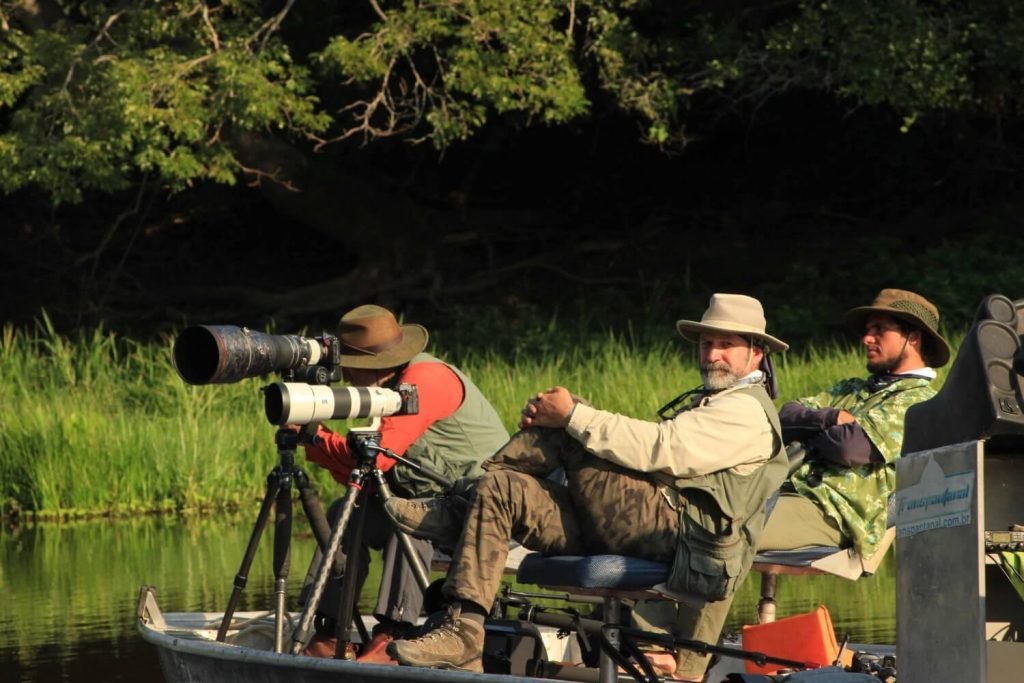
{"points": [[908, 307], [371, 338]]}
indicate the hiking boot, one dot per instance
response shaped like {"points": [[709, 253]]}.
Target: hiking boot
{"points": [[431, 519], [456, 644]]}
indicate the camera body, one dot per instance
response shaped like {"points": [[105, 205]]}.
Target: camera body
{"points": [[325, 370]]}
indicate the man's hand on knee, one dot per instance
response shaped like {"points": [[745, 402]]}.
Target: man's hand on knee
{"points": [[551, 408]]}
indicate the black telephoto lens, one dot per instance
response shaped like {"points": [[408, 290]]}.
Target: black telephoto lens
{"points": [[221, 354]]}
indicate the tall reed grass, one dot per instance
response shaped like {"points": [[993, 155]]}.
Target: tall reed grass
{"points": [[101, 424]]}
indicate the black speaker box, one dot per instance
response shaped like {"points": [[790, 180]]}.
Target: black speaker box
{"points": [[512, 647], [982, 395]]}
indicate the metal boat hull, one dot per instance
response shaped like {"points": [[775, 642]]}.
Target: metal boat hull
{"points": [[184, 660], [189, 653]]}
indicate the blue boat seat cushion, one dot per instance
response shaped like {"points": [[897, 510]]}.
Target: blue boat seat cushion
{"points": [[801, 557], [618, 572], [615, 572]]}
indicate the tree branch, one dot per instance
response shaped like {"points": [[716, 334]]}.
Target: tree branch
{"points": [[210, 28], [378, 10], [274, 24]]}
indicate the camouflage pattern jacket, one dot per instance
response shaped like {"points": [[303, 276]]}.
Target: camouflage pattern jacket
{"points": [[856, 497]]}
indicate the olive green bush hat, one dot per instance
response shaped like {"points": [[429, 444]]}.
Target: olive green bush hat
{"points": [[371, 338], [731, 314], [908, 307]]}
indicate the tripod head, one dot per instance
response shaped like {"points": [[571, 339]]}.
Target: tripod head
{"points": [[289, 439], [364, 444]]}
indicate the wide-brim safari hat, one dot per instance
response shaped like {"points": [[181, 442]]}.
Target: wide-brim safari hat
{"points": [[371, 338], [908, 307], [732, 314]]}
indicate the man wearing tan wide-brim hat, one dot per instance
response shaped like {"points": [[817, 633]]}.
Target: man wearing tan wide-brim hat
{"points": [[454, 429], [717, 451], [853, 431]]}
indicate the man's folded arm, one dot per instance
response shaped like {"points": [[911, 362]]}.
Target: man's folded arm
{"points": [[800, 423], [729, 431], [846, 444]]}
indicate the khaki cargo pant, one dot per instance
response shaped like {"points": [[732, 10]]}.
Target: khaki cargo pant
{"points": [[603, 508]]}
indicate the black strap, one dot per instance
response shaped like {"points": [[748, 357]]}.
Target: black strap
{"points": [[881, 381], [680, 403]]}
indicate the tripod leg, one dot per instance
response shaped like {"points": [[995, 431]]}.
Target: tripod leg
{"points": [[322, 531], [304, 629], [313, 509], [415, 562], [347, 599], [242, 577], [282, 545]]}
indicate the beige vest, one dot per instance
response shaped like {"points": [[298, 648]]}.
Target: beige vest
{"points": [[721, 518]]}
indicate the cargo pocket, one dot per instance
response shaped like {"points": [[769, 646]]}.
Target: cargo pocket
{"points": [[711, 569]]}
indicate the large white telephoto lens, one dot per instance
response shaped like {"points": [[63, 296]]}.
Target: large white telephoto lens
{"points": [[297, 403]]}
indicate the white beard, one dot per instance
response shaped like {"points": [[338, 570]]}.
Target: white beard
{"points": [[717, 376]]}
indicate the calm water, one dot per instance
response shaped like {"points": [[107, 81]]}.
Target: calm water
{"points": [[68, 592]]}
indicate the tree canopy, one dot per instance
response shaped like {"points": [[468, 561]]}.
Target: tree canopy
{"points": [[97, 94], [140, 101]]}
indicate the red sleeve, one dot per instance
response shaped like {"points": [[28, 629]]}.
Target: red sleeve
{"points": [[332, 454], [440, 394]]}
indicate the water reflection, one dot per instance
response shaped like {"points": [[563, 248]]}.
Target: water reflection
{"points": [[68, 591], [865, 610]]}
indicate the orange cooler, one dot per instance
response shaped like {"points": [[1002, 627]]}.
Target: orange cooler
{"points": [[803, 637]]}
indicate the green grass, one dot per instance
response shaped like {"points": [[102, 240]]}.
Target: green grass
{"points": [[103, 425]]}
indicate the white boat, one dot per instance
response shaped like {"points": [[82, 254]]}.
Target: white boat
{"points": [[530, 641], [189, 651]]}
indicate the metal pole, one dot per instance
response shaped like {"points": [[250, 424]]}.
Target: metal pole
{"points": [[282, 546]]}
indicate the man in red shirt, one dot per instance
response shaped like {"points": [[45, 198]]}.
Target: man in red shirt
{"points": [[454, 430]]}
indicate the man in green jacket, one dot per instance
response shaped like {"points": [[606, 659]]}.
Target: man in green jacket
{"points": [[853, 432], [694, 484]]}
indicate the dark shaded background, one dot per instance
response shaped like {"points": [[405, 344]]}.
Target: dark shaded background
{"points": [[803, 202]]}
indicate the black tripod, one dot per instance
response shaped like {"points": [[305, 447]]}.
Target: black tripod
{"points": [[279, 493], [364, 446]]}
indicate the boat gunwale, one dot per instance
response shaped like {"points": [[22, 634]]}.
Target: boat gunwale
{"points": [[175, 638]]}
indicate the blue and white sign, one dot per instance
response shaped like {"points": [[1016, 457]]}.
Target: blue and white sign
{"points": [[937, 501]]}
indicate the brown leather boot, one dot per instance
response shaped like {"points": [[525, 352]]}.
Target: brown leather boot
{"points": [[456, 644]]}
